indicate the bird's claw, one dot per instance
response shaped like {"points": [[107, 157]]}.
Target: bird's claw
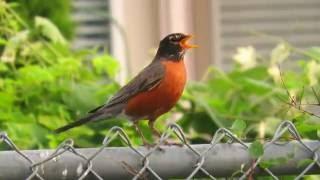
{"points": [[150, 145], [168, 143]]}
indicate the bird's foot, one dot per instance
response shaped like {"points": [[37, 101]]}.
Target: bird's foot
{"points": [[151, 145], [148, 145], [169, 143]]}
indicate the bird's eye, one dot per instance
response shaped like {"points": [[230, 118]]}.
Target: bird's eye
{"points": [[174, 38], [171, 38]]}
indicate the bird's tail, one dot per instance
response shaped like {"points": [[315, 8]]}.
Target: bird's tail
{"points": [[90, 117]]}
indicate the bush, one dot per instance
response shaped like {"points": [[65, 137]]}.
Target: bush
{"points": [[254, 97], [58, 11], [44, 84]]}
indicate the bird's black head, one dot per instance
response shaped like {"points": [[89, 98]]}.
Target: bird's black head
{"points": [[174, 46]]}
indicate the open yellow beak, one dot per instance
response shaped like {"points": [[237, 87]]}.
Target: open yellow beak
{"points": [[184, 44]]}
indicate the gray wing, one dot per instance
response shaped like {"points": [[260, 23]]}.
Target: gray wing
{"points": [[149, 78]]}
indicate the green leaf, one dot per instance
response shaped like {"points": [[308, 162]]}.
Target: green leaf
{"points": [[49, 30], [313, 53], [35, 74], [256, 149], [105, 64], [3, 41], [7, 96], [308, 128], [50, 121], [3, 67], [258, 73], [204, 104], [12, 46], [305, 162], [273, 162], [256, 86], [239, 125]]}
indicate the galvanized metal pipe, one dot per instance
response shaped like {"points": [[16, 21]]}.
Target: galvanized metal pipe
{"points": [[173, 162]]}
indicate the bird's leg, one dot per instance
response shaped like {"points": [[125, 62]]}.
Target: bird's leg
{"points": [[136, 125], [154, 131]]}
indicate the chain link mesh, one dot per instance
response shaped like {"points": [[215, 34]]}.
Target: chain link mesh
{"points": [[146, 171]]}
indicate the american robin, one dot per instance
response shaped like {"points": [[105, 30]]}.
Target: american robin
{"points": [[153, 92]]}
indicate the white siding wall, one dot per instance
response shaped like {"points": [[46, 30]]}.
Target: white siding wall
{"points": [[92, 20], [220, 27], [297, 21]]}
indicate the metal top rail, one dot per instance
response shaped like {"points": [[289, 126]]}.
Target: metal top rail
{"points": [[212, 160]]}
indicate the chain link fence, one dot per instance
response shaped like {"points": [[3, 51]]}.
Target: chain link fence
{"points": [[226, 156]]}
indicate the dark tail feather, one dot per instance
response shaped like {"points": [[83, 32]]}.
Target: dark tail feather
{"points": [[96, 109], [90, 117]]}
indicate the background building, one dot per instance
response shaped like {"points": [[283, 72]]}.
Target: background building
{"points": [[131, 30]]}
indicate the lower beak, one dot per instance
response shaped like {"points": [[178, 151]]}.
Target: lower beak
{"points": [[185, 45]]}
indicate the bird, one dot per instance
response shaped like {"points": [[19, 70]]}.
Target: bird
{"points": [[151, 93]]}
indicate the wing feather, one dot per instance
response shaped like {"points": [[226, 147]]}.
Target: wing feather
{"points": [[149, 78]]}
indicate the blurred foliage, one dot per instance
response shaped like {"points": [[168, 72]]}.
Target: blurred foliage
{"points": [[256, 95], [44, 84], [58, 11]]}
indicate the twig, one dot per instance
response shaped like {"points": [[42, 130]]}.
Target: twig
{"points": [[316, 95], [293, 100]]}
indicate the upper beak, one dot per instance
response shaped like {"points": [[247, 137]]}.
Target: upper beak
{"points": [[184, 44]]}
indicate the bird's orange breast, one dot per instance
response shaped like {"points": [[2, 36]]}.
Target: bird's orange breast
{"points": [[153, 103]]}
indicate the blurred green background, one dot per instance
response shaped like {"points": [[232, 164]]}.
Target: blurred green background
{"points": [[45, 84]]}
